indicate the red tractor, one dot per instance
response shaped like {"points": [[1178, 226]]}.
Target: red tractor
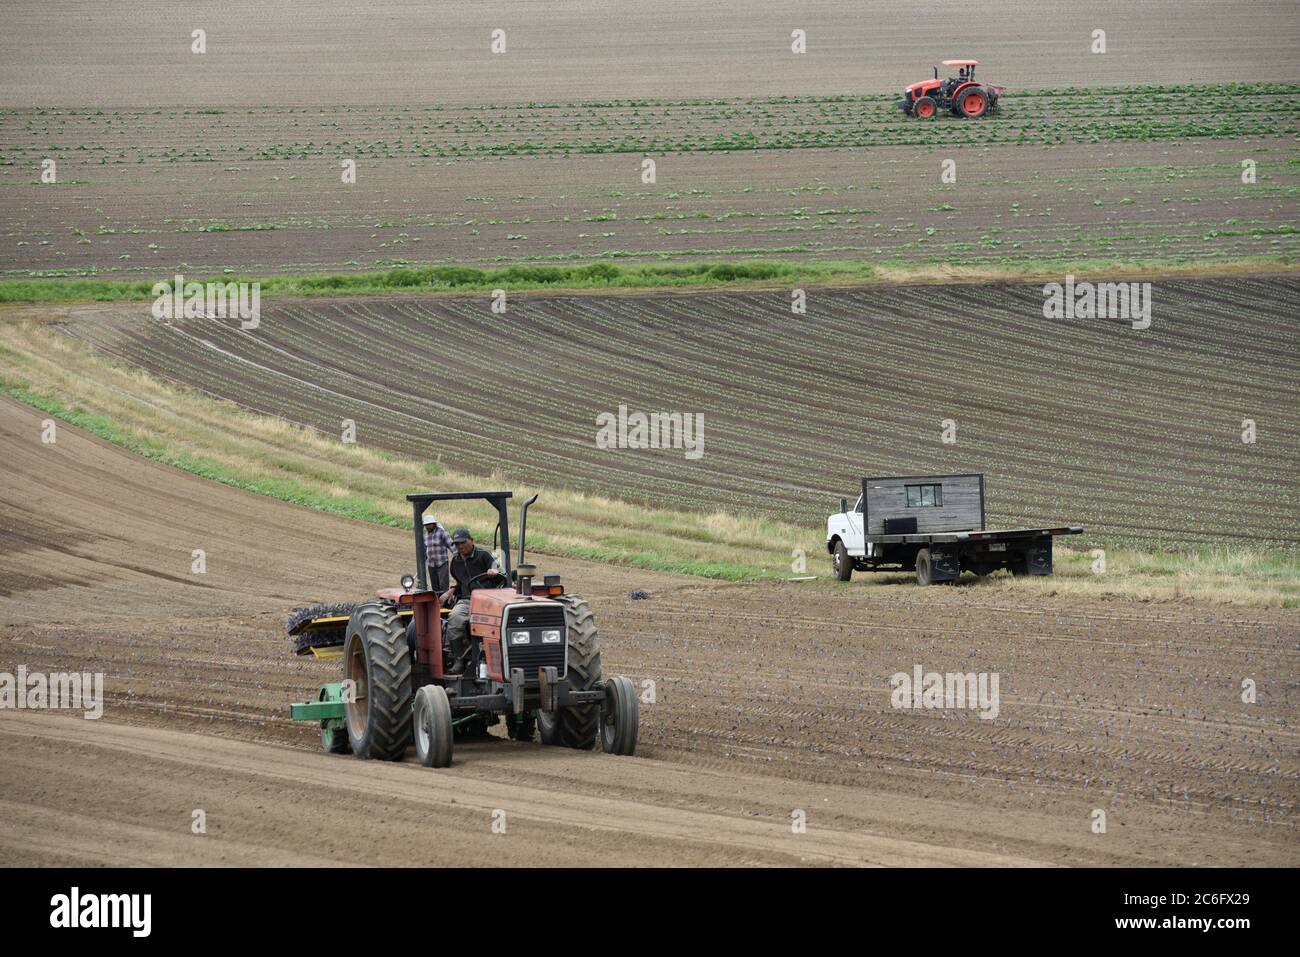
{"points": [[533, 657], [960, 95]]}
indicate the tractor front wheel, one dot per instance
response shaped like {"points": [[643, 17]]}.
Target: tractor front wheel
{"points": [[377, 682], [925, 108], [974, 103], [431, 721], [619, 717]]}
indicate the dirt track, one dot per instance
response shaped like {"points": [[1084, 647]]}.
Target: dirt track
{"points": [[769, 699]]}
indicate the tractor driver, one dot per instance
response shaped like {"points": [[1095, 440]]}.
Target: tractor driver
{"points": [[469, 562]]}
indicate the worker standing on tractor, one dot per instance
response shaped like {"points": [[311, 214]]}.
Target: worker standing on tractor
{"points": [[437, 553], [470, 562]]}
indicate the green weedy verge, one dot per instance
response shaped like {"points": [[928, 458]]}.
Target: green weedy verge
{"points": [[450, 279], [649, 276]]}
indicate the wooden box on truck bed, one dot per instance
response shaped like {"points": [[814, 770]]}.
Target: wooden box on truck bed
{"points": [[935, 503]]}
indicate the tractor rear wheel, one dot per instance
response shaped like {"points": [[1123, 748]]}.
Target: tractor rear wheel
{"points": [[378, 664], [576, 727], [925, 108], [974, 102], [842, 563], [619, 717], [431, 724], [923, 567]]}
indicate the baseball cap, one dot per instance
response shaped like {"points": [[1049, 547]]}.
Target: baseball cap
{"points": [[461, 535]]}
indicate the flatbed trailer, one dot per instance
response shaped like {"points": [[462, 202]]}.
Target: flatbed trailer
{"points": [[935, 525]]}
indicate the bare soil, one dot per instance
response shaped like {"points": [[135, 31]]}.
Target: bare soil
{"points": [[1134, 433], [769, 699], [314, 52]]}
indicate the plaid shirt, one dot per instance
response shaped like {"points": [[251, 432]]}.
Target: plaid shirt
{"points": [[437, 546]]}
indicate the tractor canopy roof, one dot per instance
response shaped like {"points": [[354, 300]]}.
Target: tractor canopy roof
{"points": [[961, 62]]}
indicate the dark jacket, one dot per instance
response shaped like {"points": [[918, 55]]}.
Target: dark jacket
{"points": [[463, 570]]}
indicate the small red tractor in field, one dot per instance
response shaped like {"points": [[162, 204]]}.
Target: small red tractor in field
{"points": [[533, 658], [960, 95]]}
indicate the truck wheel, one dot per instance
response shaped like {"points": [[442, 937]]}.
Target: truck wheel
{"points": [[618, 719], [576, 727], [431, 718], [923, 567], [842, 563], [378, 664]]}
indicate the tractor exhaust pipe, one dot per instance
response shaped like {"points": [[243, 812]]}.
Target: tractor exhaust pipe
{"points": [[523, 528]]}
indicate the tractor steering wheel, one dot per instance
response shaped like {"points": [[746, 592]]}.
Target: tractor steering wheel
{"points": [[500, 576]]}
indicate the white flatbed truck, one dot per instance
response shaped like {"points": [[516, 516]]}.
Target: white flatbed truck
{"points": [[934, 524]]}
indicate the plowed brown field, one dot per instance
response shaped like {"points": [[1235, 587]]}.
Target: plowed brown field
{"points": [[1136, 434], [769, 699]]}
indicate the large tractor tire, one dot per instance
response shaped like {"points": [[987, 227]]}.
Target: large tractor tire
{"points": [[842, 563], [431, 727], [378, 663], [925, 108], [619, 718], [973, 102], [576, 727]]}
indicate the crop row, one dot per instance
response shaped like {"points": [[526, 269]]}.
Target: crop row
{"points": [[1135, 433]]}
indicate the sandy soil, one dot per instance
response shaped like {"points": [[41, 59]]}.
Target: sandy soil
{"points": [[768, 699], [314, 51]]}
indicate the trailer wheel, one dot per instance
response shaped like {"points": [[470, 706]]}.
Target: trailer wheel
{"points": [[618, 719], [925, 108], [842, 563], [378, 664], [431, 720], [923, 567]]}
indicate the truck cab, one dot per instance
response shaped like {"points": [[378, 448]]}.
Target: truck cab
{"points": [[845, 527]]}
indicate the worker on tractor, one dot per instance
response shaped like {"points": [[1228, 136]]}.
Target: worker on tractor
{"points": [[437, 553], [472, 567]]}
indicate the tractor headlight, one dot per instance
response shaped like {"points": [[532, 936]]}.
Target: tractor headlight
{"points": [[551, 637], [408, 582], [518, 637]]}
